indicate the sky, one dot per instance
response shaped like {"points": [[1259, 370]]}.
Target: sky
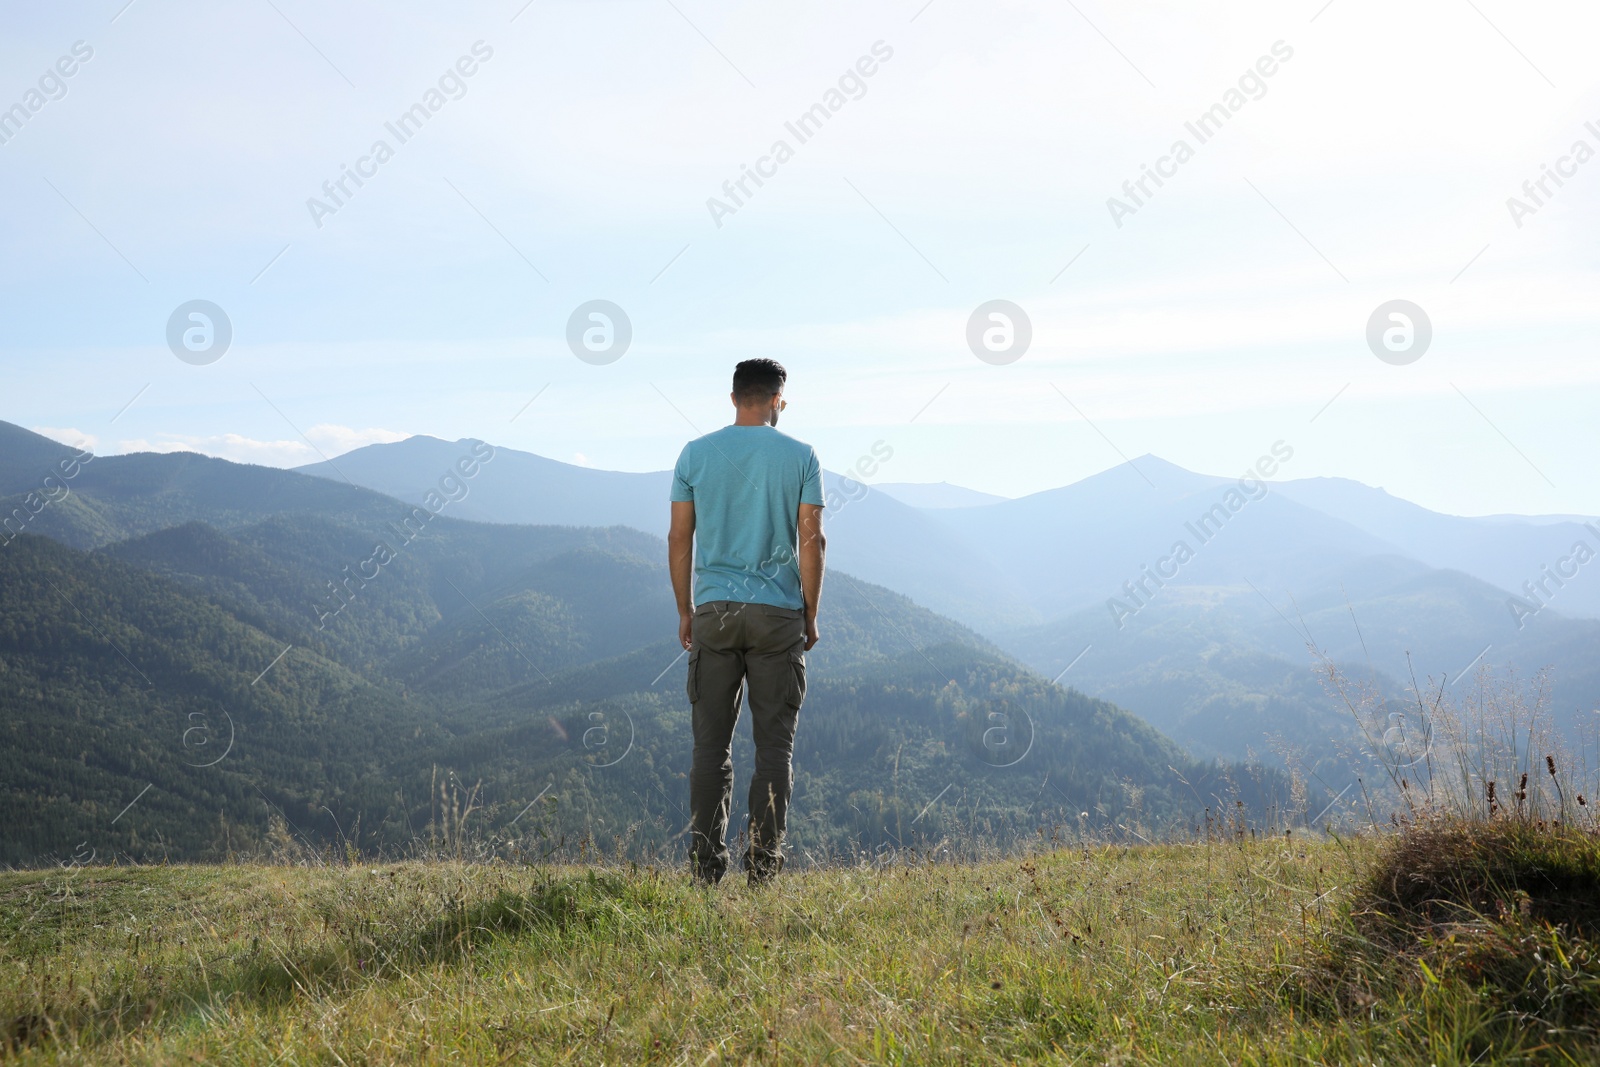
{"points": [[1360, 153]]}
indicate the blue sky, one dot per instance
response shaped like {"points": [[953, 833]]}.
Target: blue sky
{"points": [[973, 164]]}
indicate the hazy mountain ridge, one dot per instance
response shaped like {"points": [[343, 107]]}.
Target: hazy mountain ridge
{"points": [[1053, 573], [869, 530], [1116, 522], [1509, 552]]}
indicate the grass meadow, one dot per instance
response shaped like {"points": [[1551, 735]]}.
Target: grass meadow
{"points": [[1228, 951]]}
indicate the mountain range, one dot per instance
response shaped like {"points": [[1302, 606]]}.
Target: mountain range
{"points": [[201, 658], [1218, 642], [407, 624]]}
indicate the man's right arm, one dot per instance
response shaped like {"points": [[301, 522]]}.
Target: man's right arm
{"points": [[813, 548]]}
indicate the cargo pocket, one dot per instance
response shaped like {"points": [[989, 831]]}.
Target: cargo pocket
{"points": [[797, 687], [693, 685]]}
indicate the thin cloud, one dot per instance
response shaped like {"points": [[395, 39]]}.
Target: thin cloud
{"points": [[69, 435], [331, 438]]}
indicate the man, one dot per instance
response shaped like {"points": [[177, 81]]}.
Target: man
{"points": [[747, 509]]}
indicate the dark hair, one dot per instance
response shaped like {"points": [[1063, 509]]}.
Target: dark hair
{"points": [[756, 380]]}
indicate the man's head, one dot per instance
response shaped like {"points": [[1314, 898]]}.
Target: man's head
{"points": [[758, 391]]}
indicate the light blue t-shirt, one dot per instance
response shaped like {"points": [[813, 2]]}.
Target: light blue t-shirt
{"points": [[747, 484]]}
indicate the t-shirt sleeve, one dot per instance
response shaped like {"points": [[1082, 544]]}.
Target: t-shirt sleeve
{"points": [[682, 490], [811, 487]]}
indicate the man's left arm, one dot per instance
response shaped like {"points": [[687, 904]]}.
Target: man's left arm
{"points": [[680, 562]]}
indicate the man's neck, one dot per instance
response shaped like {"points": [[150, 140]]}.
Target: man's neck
{"points": [[751, 418]]}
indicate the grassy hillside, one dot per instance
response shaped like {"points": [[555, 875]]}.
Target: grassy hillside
{"points": [[1220, 952]]}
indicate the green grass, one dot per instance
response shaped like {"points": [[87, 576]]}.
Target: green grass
{"points": [[1222, 953]]}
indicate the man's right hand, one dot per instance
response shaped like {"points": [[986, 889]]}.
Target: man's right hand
{"points": [[812, 635]]}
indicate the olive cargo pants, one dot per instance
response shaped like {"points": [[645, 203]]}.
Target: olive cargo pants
{"points": [[733, 644]]}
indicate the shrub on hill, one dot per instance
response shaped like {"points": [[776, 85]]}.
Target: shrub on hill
{"points": [[1489, 891]]}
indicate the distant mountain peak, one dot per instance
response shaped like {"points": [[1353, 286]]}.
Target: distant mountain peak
{"points": [[936, 494], [1152, 464]]}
